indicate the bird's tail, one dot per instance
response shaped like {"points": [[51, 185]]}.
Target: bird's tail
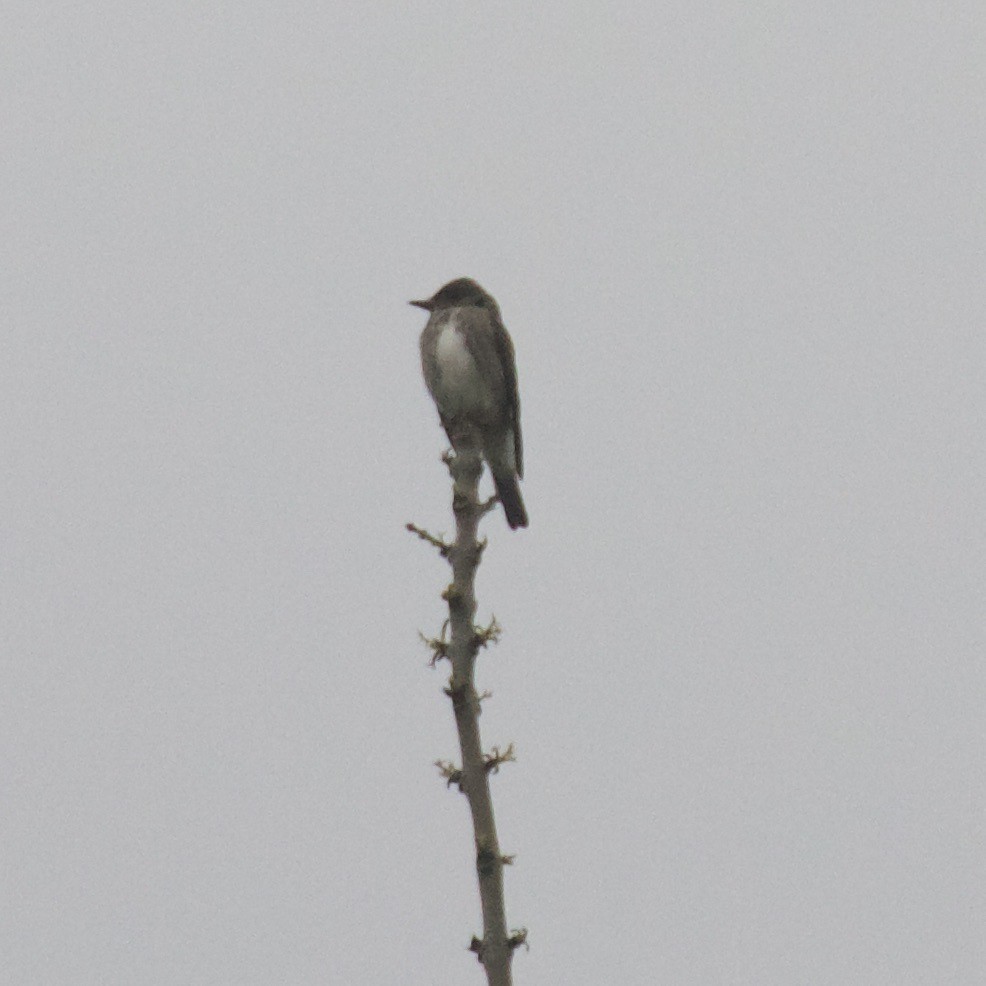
{"points": [[508, 493]]}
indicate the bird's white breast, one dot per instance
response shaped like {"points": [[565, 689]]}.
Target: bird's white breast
{"points": [[454, 360], [463, 389]]}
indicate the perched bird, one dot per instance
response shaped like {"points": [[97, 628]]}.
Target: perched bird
{"points": [[468, 363]]}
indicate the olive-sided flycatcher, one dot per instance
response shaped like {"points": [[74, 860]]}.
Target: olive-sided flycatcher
{"points": [[468, 363]]}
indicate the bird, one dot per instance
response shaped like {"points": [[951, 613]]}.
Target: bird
{"points": [[467, 358]]}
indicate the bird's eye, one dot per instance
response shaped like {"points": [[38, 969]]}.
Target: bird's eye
{"points": [[480, 302]]}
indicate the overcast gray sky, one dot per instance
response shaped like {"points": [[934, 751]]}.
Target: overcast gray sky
{"points": [[740, 248]]}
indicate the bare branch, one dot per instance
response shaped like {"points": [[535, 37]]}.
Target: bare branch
{"points": [[495, 949]]}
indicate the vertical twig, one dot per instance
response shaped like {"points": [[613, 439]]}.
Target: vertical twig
{"points": [[496, 948], [494, 951]]}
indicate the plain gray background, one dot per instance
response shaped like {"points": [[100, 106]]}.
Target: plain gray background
{"points": [[740, 248]]}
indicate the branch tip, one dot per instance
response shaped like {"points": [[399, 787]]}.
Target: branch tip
{"points": [[439, 543], [437, 645], [493, 759], [451, 773], [489, 634]]}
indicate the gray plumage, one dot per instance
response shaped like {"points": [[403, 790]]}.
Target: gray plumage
{"points": [[468, 362]]}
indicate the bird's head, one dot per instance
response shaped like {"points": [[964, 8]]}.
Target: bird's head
{"points": [[463, 291]]}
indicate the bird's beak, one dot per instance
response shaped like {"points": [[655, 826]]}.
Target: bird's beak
{"points": [[426, 305]]}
